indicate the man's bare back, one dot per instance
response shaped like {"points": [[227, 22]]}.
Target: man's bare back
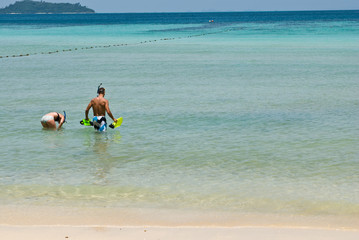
{"points": [[99, 106]]}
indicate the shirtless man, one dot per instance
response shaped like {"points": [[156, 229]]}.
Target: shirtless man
{"points": [[49, 120], [99, 106]]}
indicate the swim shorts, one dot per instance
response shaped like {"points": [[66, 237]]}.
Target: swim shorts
{"points": [[46, 118], [99, 123]]}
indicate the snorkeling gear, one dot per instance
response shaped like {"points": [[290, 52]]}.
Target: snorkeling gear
{"points": [[86, 122], [98, 89]]}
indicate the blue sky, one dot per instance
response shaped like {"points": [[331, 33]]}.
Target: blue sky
{"points": [[207, 5]]}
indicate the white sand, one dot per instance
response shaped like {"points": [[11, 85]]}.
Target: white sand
{"points": [[105, 216], [170, 233], [83, 223]]}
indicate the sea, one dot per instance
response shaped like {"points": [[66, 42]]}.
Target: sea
{"points": [[241, 112]]}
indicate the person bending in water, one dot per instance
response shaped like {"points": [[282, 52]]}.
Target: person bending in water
{"points": [[99, 106], [49, 120]]}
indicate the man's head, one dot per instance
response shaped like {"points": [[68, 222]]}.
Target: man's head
{"points": [[101, 91]]}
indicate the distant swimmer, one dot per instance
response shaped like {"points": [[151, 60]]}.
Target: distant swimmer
{"points": [[49, 120], [100, 106]]}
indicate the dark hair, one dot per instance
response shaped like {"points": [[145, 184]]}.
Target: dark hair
{"points": [[101, 90]]}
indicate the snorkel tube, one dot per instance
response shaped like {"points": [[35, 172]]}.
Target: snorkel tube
{"points": [[65, 117], [98, 89]]}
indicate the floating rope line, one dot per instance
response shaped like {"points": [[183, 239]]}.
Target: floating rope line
{"points": [[113, 45]]}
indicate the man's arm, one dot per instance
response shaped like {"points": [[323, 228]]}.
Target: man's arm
{"points": [[87, 110], [109, 111]]}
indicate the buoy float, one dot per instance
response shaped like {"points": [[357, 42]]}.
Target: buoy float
{"points": [[123, 44]]}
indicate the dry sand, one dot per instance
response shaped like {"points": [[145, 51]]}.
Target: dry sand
{"points": [[83, 223], [171, 233]]}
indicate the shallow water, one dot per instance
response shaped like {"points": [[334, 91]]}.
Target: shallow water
{"points": [[250, 115]]}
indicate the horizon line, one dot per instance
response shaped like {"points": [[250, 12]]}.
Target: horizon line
{"points": [[225, 11], [228, 11]]}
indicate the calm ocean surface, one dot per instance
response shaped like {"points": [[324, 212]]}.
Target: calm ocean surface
{"points": [[254, 113]]}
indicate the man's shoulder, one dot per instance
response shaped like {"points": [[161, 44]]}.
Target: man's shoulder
{"points": [[100, 100], [96, 99]]}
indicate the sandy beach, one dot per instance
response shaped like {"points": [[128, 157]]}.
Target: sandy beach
{"points": [[149, 233], [39, 222]]}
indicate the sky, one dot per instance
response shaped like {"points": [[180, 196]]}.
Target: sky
{"points": [[124, 6]]}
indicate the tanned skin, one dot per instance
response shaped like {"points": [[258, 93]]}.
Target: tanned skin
{"points": [[99, 106], [51, 124]]}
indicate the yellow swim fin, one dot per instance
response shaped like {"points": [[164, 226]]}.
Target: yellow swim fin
{"points": [[116, 124]]}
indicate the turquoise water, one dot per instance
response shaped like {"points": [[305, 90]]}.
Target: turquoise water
{"points": [[248, 117]]}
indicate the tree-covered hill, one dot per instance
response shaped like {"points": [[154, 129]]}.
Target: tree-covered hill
{"points": [[31, 7]]}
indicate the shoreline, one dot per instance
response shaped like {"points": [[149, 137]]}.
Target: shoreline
{"points": [[30, 216]]}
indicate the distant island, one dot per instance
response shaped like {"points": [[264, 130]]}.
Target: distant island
{"points": [[35, 7]]}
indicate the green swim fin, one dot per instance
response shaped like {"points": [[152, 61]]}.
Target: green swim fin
{"points": [[86, 122]]}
